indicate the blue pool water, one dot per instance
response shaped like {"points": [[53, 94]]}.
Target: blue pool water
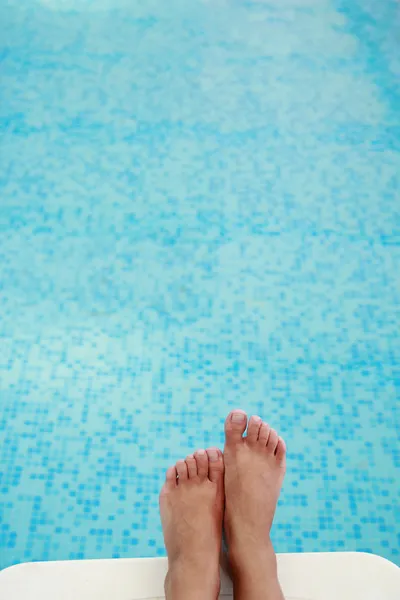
{"points": [[199, 211]]}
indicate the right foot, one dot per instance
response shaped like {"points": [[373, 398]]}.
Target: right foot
{"points": [[254, 470]]}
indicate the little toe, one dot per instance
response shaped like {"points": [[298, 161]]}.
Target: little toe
{"points": [[202, 463], [264, 434], [215, 465], [253, 429], [191, 466], [272, 441], [170, 478], [235, 425], [182, 471], [280, 451]]}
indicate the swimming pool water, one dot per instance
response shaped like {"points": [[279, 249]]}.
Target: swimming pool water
{"points": [[199, 211]]}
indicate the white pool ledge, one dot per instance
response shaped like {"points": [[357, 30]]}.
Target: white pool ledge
{"points": [[317, 576]]}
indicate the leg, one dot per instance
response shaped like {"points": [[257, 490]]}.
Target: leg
{"points": [[254, 471], [191, 507]]}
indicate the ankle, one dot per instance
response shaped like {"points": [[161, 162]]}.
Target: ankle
{"points": [[249, 554], [242, 540], [189, 579], [254, 571]]}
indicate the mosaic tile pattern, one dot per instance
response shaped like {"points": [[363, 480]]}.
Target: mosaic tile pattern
{"points": [[199, 210]]}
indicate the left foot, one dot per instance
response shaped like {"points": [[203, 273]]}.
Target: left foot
{"points": [[191, 507]]}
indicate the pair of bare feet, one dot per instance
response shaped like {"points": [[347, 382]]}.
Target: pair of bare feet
{"points": [[236, 491]]}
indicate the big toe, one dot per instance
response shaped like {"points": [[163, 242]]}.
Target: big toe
{"points": [[215, 465], [280, 451], [235, 426]]}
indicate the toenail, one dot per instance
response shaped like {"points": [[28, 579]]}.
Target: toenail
{"points": [[201, 452], [238, 417], [256, 419], [213, 455]]}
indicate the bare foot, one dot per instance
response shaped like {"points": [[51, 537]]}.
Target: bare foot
{"points": [[254, 470], [191, 507]]}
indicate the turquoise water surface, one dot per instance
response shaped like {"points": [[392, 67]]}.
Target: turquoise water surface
{"points": [[199, 210]]}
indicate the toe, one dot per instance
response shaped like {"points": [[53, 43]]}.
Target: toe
{"points": [[202, 463], [170, 478], [253, 429], [280, 451], [235, 425], [272, 441], [264, 434], [182, 471], [191, 466], [215, 465]]}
